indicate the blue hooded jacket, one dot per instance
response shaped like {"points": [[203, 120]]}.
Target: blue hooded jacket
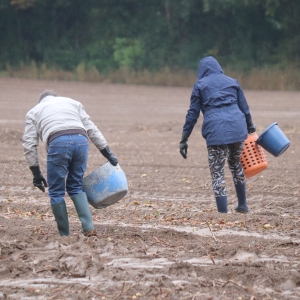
{"points": [[225, 110]]}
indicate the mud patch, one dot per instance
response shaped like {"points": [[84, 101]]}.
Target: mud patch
{"points": [[164, 240]]}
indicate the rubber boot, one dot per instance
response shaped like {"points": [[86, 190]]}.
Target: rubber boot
{"points": [[84, 213], [241, 195], [61, 217], [221, 204]]}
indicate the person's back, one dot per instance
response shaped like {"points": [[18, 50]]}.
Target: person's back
{"points": [[56, 113], [222, 104]]}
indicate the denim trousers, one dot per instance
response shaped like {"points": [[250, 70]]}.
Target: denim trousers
{"points": [[66, 163]]}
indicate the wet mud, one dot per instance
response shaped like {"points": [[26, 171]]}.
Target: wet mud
{"points": [[164, 240]]}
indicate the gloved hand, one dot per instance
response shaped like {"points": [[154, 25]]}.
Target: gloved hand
{"points": [[183, 146], [251, 128], [109, 155], [38, 179]]}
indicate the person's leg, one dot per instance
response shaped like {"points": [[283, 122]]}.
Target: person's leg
{"points": [[60, 213], [57, 168], [78, 164], [216, 159], [82, 207], [77, 168], [234, 163]]}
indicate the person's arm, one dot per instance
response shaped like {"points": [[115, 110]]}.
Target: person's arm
{"points": [[243, 105], [96, 136], [190, 121], [93, 132], [193, 112], [30, 143]]}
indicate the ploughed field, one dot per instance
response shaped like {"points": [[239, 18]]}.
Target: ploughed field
{"points": [[164, 240]]}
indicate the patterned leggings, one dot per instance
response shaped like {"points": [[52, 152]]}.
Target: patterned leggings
{"points": [[217, 156]]}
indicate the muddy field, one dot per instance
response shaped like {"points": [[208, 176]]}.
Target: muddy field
{"points": [[164, 240]]}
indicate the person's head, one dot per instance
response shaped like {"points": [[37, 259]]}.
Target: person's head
{"points": [[46, 93], [207, 66]]}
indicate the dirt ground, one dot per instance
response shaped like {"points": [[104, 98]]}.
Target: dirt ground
{"points": [[164, 240]]}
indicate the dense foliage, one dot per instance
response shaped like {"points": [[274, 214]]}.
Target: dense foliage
{"points": [[110, 34]]}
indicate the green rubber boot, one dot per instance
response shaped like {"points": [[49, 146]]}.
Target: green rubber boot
{"points": [[61, 217], [83, 211]]}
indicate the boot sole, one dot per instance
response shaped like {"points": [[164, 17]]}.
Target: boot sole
{"points": [[90, 233], [242, 211]]}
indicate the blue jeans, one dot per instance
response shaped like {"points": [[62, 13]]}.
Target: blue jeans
{"points": [[66, 163]]}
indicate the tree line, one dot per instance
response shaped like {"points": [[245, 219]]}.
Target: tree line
{"points": [[149, 35]]}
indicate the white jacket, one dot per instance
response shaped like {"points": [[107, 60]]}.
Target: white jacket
{"points": [[53, 114]]}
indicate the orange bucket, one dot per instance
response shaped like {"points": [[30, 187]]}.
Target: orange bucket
{"points": [[253, 158]]}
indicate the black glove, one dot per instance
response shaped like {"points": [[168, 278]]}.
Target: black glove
{"points": [[183, 146], [38, 178], [109, 155], [251, 128]]}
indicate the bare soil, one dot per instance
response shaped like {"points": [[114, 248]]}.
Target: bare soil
{"points": [[164, 240]]}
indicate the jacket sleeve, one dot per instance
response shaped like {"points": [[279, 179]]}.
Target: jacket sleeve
{"points": [[93, 132], [243, 105], [31, 141], [193, 112]]}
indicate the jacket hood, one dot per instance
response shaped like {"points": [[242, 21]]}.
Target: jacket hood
{"points": [[207, 66]]}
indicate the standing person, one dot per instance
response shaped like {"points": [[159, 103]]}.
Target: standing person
{"points": [[227, 122], [64, 127]]}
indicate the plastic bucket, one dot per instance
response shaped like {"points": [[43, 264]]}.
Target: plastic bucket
{"points": [[274, 140], [253, 159], [105, 186]]}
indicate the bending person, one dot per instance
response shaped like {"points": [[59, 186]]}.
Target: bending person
{"points": [[64, 127]]}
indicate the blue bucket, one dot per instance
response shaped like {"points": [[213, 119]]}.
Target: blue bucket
{"points": [[273, 140], [105, 186]]}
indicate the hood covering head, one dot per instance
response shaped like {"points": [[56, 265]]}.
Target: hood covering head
{"points": [[207, 66]]}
